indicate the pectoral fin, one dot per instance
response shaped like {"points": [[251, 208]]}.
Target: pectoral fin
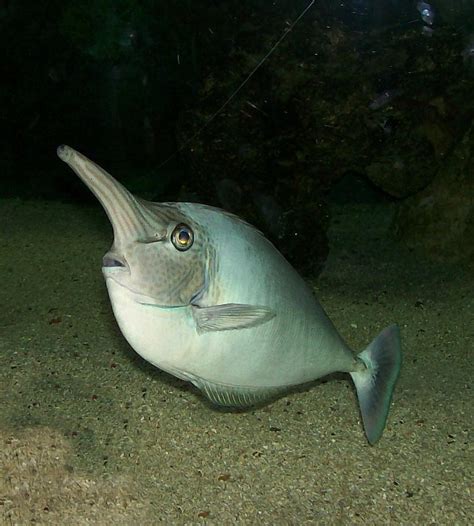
{"points": [[231, 316]]}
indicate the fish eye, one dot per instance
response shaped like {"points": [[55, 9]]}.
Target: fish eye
{"points": [[182, 237]]}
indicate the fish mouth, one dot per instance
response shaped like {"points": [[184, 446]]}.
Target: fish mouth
{"points": [[115, 268], [112, 262]]}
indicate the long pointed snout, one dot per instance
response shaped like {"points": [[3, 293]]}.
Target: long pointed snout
{"points": [[128, 216]]}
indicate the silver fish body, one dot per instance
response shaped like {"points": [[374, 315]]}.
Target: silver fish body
{"points": [[205, 296], [289, 342]]}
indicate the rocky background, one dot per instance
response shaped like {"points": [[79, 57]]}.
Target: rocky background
{"points": [[362, 100]]}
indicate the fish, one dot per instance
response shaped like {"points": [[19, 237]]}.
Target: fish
{"points": [[203, 295], [426, 12]]}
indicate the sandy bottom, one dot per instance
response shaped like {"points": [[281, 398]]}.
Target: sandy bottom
{"points": [[91, 434]]}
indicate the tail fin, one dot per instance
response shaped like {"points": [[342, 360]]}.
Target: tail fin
{"points": [[374, 384]]}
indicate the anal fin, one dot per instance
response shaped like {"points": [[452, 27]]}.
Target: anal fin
{"points": [[236, 396]]}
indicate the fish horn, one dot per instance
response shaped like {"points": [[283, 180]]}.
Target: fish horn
{"points": [[127, 214]]}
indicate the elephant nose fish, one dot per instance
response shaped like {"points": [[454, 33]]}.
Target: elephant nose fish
{"points": [[203, 295]]}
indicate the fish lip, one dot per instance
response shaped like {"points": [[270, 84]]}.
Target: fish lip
{"points": [[114, 263]]}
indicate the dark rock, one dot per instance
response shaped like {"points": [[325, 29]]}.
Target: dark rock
{"points": [[229, 194], [440, 219], [355, 188], [397, 176]]}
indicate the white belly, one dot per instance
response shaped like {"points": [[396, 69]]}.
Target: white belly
{"points": [[282, 352]]}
